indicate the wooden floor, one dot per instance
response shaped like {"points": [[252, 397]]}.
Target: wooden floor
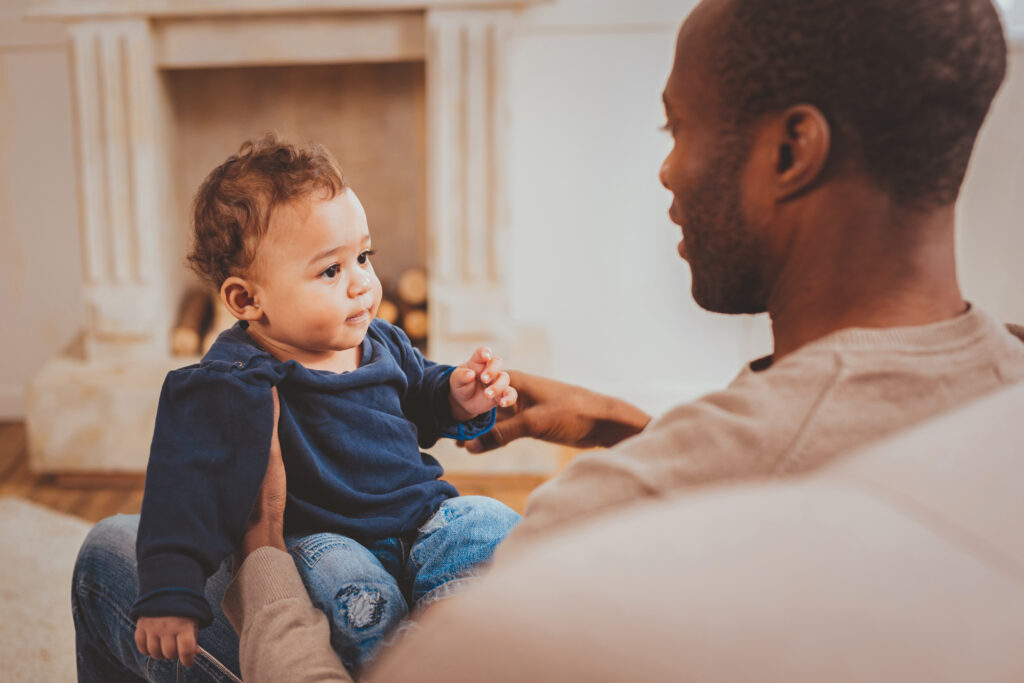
{"points": [[94, 498]]}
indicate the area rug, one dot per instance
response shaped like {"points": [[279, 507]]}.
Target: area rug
{"points": [[38, 548]]}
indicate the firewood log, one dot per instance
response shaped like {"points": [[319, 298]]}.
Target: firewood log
{"points": [[388, 311], [415, 324], [412, 287], [222, 320], [194, 315]]}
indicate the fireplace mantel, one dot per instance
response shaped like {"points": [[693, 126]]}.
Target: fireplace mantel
{"points": [[70, 10], [95, 412]]}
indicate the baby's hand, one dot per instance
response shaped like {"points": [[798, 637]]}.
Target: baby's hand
{"points": [[479, 385], [167, 638]]}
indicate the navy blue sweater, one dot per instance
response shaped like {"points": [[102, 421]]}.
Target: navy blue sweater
{"points": [[350, 441]]}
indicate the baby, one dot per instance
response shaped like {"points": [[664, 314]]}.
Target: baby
{"points": [[372, 528]]}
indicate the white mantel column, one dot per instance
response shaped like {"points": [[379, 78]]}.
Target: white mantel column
{"points": [[127, 284], [466, 210], [94, 412], [467, 213]]}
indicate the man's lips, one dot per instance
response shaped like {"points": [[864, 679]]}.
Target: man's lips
{"points": [[672, 215], [681, 247]]}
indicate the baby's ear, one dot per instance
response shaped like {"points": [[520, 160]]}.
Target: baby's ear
{"points": [[237, 296]]}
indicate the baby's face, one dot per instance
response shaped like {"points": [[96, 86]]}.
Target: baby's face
{"points": [[318, 292]]}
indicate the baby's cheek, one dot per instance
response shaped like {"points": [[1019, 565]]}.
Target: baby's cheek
{"points": [[378, 294]]}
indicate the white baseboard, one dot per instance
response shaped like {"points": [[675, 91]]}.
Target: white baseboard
{"points": [[12, 402]]}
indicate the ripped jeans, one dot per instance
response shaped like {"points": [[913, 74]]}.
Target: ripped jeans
{"points": [[462, 534], [368, 589]]}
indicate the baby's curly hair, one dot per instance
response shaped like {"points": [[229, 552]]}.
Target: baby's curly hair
{"points": [[231, 209]]}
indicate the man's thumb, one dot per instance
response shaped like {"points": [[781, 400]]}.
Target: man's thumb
{"points": [[502, 434]]}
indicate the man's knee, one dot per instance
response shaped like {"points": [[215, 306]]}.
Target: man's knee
{"points": [[105, 566], [109, 546]]}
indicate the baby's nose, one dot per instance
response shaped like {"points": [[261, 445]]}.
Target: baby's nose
{"points": [[359, 284]]}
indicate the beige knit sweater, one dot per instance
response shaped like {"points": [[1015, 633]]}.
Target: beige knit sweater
{"points": [[832, 395]]}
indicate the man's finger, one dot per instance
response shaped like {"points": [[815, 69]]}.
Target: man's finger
{"points": [[502, 433], [275, 481]]}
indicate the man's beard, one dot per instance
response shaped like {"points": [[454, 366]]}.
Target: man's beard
{"points": [[724, 256]]}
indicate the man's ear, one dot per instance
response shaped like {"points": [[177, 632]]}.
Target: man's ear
{"points": [[802, 146], [238, 295]]}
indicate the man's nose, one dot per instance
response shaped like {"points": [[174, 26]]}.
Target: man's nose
{"points": [[663, 173]]}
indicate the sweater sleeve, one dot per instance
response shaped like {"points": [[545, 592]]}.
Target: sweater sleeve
{"points": [[206, 464], [426, 401], [282, 636]]}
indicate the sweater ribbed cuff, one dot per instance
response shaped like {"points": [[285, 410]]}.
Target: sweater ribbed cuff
{"points": [[266, 576], [171, 585]]}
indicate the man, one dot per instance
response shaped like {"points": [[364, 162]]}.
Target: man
{"points": [[819, 146]]}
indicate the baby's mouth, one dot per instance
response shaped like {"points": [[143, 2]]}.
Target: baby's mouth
{"points": [[359, 317]]}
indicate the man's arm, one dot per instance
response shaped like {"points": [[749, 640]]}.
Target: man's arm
{"points": [[563, 414], [282, 636]]}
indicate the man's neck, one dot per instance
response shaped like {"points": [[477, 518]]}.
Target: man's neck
{"points": [[873, 267]]}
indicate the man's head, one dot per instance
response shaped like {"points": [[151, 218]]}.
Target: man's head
{"points": [[770, 101]]}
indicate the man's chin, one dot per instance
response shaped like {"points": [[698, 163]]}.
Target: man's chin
{"points": [[727, 302]]}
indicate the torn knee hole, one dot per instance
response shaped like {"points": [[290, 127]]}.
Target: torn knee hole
{"points": [[363, 607]]}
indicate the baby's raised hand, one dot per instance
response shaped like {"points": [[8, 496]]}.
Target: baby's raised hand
{"points": [[478, 385], [167, 638]]}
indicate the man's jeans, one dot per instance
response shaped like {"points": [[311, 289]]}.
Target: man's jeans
{"points": [[103, 588], [361, 607]]}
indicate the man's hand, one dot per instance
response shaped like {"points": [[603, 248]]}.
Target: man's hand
{"points": [[562, 414], [266, 521], [167, 638], [478, 385]]}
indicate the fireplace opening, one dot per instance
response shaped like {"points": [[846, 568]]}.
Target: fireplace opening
{"points": [[371, 116]]}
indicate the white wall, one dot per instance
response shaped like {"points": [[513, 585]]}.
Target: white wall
{"points": [[41, 309], [990, 244], [594, 265], [590, 249]]}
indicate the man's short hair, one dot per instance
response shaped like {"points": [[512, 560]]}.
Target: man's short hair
{"points": [[904, 84], [231, 209]]}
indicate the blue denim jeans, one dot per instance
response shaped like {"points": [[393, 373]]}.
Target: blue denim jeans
{"points": [[421, 568], [367, 589], [104, 586]]}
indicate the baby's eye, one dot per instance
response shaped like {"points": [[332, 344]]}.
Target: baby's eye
{"points": [[364, 257], [331, 272]]}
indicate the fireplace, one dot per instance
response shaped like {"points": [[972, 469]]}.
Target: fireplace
{"points": [[408, 95]]}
